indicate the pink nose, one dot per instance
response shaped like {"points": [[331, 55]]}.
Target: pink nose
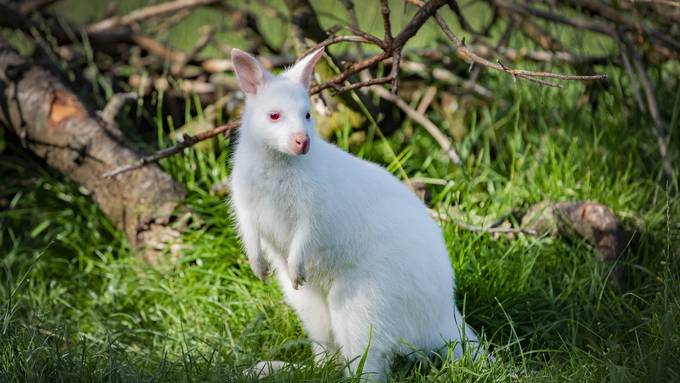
{"points": [[299, 143]]}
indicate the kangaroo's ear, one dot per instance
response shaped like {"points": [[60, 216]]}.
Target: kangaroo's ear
{"points": [[302, 70], [250, 74]]}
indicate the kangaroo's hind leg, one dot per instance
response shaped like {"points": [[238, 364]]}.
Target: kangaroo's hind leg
{"points": [[358, 332], [311, 307]]}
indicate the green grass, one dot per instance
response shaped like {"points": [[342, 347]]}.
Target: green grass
{"points": [[76, 305]]}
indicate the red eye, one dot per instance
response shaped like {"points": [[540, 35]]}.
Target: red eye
{"points": [[308, 116], [274, 116]]}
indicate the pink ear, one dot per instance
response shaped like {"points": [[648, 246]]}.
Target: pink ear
{"points": [[302, 70], [249, 72]]}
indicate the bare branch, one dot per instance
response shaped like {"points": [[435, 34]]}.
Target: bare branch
{"points": [[340, 39], [361, 84], [144, 13], [394, 72], [427, 10], [578, 24], [610, 14], [366, 35], [426, 100], [467, 54], [186, 143], [398, 42], [385, 12], [429, 126], [391, 50]]}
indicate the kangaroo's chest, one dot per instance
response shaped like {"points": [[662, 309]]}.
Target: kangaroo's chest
{"points": [[277, 202]]}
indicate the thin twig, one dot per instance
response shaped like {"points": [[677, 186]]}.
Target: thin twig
{"points": [[339, 39], [552, 17], [397, 44], [427, 99], [525, 74], [357, 85], [167, 152], [429, 126], [391, 49], [467, 54], [366, 35], [631, 75]]}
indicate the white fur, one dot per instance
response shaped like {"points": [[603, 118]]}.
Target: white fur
{"points": [[353, 249]]}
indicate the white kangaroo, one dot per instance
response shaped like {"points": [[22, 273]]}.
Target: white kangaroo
{"points": [[356, 253]]}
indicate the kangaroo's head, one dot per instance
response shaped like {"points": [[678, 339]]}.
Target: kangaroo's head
{"points": [[277, 112]]}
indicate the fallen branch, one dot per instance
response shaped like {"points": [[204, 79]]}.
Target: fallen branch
{"points": [[52, 122]]}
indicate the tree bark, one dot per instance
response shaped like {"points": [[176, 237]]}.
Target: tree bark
{"points": [[53, 123]]}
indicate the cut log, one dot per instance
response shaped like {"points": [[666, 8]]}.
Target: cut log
{"points": [[53, 123]]}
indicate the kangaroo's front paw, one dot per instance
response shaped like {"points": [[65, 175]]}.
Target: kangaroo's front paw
{"points": [[297, 276], [298, 282], [260, 267]]}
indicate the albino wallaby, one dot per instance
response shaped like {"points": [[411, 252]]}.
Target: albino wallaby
{"points": [[356, 252]]}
